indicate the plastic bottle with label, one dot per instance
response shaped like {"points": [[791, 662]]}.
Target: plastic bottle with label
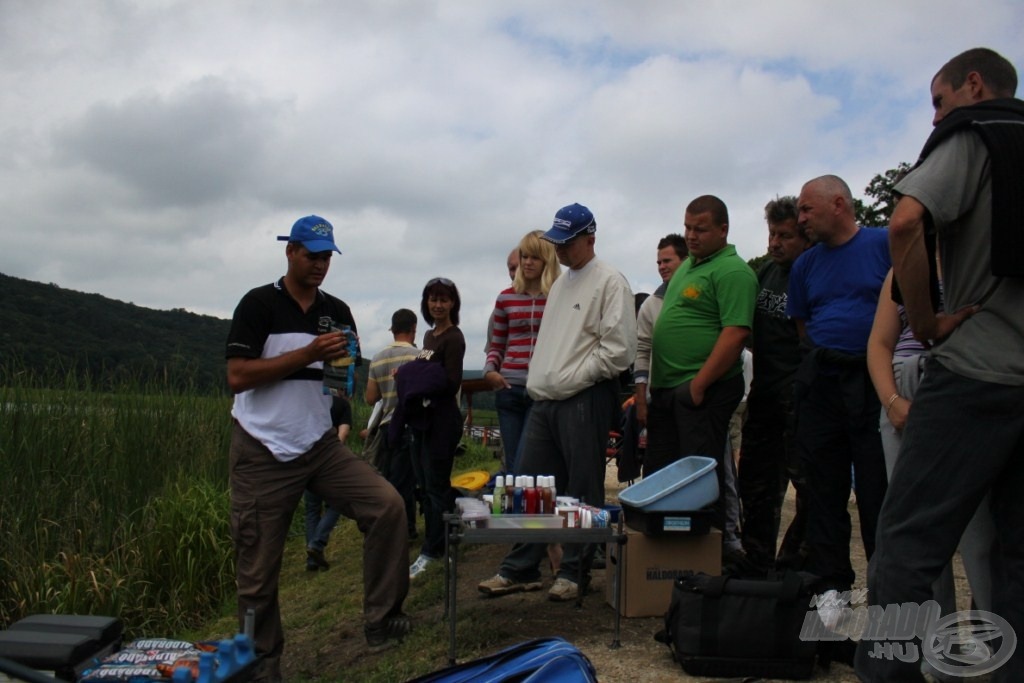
{"points": [[497, 495], [531, 497], [517, 496], [506, 496], [547, 495]]}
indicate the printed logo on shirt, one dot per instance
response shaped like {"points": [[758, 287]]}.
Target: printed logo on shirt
{"points": [[576, 307], [772, 304], [691, 292], [426, 354]]}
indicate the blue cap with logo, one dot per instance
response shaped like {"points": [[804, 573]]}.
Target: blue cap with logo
{"points": [[314, 233], [571, 221]]}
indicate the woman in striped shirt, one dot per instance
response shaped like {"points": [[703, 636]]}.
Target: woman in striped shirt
{"points": [[515, 323]]}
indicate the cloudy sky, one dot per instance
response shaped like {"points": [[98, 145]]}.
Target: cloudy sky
{"points": [[151, 151]]}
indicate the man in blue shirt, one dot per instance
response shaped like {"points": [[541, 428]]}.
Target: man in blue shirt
{"points": [[833, 293]]}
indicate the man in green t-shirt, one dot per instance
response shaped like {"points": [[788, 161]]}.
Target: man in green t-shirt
{"points": [[696, 370]]}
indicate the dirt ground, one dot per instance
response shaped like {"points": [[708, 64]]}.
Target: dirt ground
{"points": [[638, 657]]}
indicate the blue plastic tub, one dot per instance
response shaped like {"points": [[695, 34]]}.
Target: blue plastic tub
{"points": [[687, 484]]}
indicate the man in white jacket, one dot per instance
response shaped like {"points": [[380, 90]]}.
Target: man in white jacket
{"points": [[586, 339]]}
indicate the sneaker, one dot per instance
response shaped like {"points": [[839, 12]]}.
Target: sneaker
{"points": [[387, 633], [419, 566], [315, 560], [564, 590], [498, 585]]}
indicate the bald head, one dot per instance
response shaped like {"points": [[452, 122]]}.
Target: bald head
{"points": [[826, 210], [513, 263]]}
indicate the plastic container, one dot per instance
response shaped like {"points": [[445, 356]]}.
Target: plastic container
{"points": [[687, 484], [526, 522]]}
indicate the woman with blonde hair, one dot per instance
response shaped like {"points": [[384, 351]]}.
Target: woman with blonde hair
{"points": [[515, 323]]}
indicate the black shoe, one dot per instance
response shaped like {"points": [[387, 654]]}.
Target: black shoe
{"points": [[316, 558], [736, 563], [387, 633]]}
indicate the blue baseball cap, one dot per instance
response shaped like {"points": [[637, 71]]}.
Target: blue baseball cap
{"points": [[571, 221], [314, 233]]}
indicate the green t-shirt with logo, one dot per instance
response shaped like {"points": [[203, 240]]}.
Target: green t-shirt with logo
{"points": [[702, 298]]}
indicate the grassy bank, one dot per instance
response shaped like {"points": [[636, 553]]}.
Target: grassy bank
{"points": [[117, 503], [113, 503]]}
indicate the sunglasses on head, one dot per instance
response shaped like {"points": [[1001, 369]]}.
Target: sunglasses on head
{"points": [[441, 281]]}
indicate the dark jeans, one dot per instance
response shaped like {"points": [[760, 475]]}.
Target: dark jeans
{"points": [[963, 439], [433, 476], [838, 426], [567, 439], [513, 406], [395, 464], [768, 463], [676, 428], [321, 519]]}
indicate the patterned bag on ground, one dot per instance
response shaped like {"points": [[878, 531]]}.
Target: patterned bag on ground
{"points": [[542, 660], [730, 627]]}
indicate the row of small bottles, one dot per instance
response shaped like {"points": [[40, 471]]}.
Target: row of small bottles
{"points": [[523, 494]]}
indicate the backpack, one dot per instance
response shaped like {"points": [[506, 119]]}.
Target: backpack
{"points": [[541, 660]]}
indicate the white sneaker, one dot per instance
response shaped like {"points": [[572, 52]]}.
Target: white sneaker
{"points": [[419, 566], [563, 590]]}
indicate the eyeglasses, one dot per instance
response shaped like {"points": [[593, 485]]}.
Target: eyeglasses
{"points": [[441, 281]]}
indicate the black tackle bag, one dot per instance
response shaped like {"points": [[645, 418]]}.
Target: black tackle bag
{"points": [[722, 626]]}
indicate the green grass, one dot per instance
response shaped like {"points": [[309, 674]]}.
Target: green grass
{"points": [[324, 609], [117, 503]]}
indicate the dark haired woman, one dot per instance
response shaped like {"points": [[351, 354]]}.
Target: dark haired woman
{"points": [[435, 438]]}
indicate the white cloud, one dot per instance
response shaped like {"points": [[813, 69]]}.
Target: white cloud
{"points": [[152, 151]]}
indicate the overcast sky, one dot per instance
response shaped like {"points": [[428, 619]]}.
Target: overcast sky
{"points": [[152, 151]]}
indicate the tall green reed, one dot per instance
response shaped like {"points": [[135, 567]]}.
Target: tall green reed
{"points": [[112, 501]]}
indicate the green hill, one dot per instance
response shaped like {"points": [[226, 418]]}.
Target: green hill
{"points": [[51, 331]]}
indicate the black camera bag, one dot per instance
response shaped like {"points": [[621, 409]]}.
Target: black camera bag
{"points": [[724, 626]]}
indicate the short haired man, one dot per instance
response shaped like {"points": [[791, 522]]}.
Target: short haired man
{"points": [[769, 459], [512, 263], [671, 252], [832, 296], [283, 443], [964, 434], [394, 462], [586, 339], [696, 372]]}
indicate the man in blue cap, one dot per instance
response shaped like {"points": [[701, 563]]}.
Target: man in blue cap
{"points": [[587, 338], [283, 443]]}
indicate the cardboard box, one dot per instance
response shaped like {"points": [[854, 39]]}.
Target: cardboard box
{"points": [[650, 565]]}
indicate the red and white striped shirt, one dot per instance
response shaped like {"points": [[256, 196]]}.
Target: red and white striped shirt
{"points": [[515, 323]]}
